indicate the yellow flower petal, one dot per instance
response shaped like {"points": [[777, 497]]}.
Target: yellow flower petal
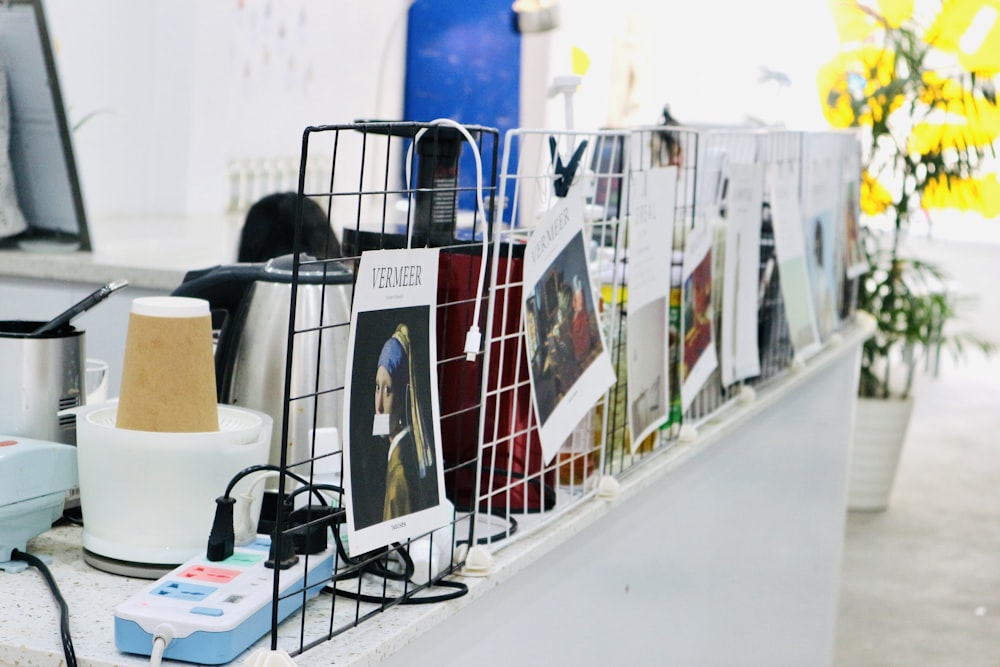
{"points": [[580, 60], [981, 195], [853, 25], [875, 198], [959, 118], [969, 30], [851, 86], [896, 12], [929, 138]]}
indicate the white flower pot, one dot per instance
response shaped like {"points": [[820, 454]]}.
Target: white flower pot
{"points": [[879, 432]]}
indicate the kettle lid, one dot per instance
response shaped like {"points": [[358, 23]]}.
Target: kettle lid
{"points": [[311, 271]]}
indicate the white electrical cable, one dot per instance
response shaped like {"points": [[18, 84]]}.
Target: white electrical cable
{"points": [[162, 636], [473, 337], [244, 526], [156, 657], [268, 474], [264, 475]]}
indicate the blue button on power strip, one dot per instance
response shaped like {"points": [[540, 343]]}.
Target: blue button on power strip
{"points": [[207, 611]]}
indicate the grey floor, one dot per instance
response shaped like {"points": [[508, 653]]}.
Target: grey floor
{"points": [[921, 581]]}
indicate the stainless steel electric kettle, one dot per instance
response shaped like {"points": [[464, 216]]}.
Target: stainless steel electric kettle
{"points": [[254, 302]]}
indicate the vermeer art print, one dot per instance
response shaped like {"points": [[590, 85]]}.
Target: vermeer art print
{"points": [[393, 473], [568, 360]]}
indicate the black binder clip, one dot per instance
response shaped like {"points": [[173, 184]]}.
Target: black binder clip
{"points": [[565, 173]]}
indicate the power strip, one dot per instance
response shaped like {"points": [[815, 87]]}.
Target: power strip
{"points": [[216, 610]]}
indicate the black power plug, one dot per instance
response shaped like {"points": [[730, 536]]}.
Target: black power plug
{"points": [[312, 522], [222, 539], [282, 553]]}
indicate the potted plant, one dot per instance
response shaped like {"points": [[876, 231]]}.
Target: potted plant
{"points": [[926, 112]]}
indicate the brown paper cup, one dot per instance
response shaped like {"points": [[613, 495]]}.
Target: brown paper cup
{"points": [[168, 374]]}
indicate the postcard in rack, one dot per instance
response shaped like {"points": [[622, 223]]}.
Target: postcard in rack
{"points": [[738, 351], [393, 472], [790, 247], [698, 358], [569, 367], [855, 262], [651, 207], [823, 215]]}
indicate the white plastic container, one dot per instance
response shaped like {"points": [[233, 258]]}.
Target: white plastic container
{"points": [[148, 498]]}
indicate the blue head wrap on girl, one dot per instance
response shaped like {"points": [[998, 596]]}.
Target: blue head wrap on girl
{"points": [[393, 359]]}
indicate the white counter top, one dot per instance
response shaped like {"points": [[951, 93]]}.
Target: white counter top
{"points": [[29, 631], [149, 253]]}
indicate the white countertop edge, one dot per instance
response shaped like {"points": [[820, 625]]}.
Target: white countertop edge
{"points": [[149, 252], [82, 267]]}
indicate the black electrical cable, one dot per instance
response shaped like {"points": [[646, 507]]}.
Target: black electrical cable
{"points": [[222, 538], [503, 534], [373, 563], [381, 566], [73, 515], [315, 487], [460, 590], [496, 537], [336, 520], [377, 563], [269, 467], [67, 640]]}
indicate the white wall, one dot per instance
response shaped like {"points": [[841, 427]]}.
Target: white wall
{"points": [[703, 58], [179, 89]]}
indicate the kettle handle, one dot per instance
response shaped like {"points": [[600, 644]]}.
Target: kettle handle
{"points": [[225, 288], [222, 286]]}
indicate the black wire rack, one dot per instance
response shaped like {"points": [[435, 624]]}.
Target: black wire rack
{"points": [[500, 485], [381, 189]]}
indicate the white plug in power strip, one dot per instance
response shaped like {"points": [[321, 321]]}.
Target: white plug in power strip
{"points": [[212, 611]]}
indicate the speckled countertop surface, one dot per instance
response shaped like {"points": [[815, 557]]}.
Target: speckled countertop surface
{"points": [[29, 631], [29, 634], [85, 267]]}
